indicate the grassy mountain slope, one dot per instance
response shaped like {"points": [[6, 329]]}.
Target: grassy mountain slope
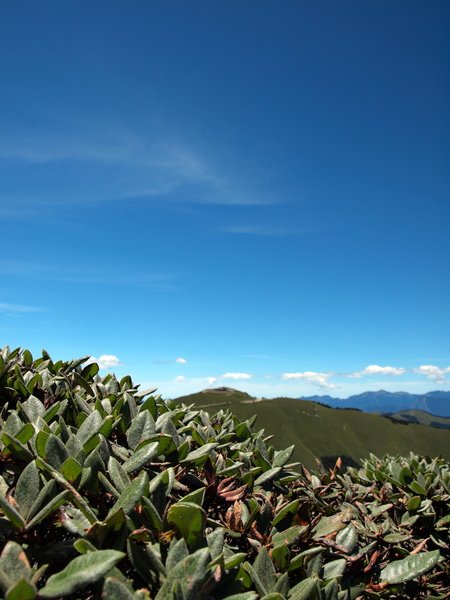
{"points": [[318, 431], [421, 417]]}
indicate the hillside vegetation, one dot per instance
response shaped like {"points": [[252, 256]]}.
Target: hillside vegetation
{"points": [[326, 433], [421, 417], [110, 492]]}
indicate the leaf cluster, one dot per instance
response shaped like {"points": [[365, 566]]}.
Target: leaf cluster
{"points": [[109, 491]]}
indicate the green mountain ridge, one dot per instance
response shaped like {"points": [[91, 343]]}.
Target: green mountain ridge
{"points": [[421, 417], [321, 432]]}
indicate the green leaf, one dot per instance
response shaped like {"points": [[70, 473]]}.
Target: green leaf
{"points": [[113, 589], [26, 433], [131, 495], [189, 519], [80, 572], [347, 538], [280, 556], [216, 540], [289, 536], [197, 496], [91, 444], [141, 428], [71, 469], [21, 590], [190, 573], [81, 381], [178, 551], [16, 447], [90, 371], [235, 559], [290, 508], [243, 596], [200, 452], [89, 427], [27, 488], [49, 491], [118, 476], [152, 514], [27, 357], [56, 502], [330, 591], [108, 424], [141, 457], [304, 590], [396, 538], [14, 563], [41, 441], [76, 497], [410, 567], [142, 393], [333, 569], [33, 408], [267, 476], [11, 513], [328, 525], [265, 570], [110, 489], [54, 410], [444, 521], [414, 503], [416, 487], [300, 558], [83, 546], [74, 520], [140, 559], [55, 452], [281, 457]]}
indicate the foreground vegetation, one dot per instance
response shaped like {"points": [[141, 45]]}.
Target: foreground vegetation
{"points": [[107, 491]]}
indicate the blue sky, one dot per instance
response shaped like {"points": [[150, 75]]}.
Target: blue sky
{"points": [[242, 193]]}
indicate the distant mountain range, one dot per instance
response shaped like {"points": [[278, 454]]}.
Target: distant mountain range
{"points": [[436, 403]]}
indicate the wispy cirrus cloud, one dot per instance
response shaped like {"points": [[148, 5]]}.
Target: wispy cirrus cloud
{"points": [[6, 307], [259, 230], [322, 380], [378, 370], [117, 164], [433, 372], [85, 275]]}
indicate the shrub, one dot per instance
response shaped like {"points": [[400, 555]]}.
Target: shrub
{"points": [[109, 491]]}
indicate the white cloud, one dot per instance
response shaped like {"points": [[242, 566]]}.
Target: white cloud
{"points": [[433, 372], [211, 380], [320, 379], [378, 370], [105, 361], [18, 308], [236, 376], [180, 378], [180, 360]]}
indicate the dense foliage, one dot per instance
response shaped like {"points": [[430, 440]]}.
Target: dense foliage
{"points": [[107, 491]]}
